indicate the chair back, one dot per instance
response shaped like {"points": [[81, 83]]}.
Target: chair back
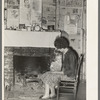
{"points": [[80, 61]]}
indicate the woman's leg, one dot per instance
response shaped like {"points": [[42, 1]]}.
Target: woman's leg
{"points": [[52, 89], [46, 94]]}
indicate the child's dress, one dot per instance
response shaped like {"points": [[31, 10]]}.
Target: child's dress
{"points": [[51, 77]]}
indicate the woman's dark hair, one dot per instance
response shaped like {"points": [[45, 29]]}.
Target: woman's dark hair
{"points": [[61, 42]]}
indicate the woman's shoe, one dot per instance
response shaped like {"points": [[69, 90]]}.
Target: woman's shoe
{"points": [[44, 98], [52, 97]]}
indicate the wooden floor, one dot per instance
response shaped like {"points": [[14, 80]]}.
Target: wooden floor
{"points": [[81, 95], [14, 96], [82, 92]]}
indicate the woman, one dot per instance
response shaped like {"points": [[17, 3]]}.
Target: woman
{"points": [[68, 70]]}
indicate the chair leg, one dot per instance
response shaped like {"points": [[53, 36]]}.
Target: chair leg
{"points": [[75, 92], [58, 93], [75, 96]]}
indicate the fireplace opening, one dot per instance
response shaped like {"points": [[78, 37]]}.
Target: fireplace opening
{"points": [[27, 68]]}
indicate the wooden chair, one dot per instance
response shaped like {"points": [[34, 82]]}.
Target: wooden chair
{"points": [[70, 87]]}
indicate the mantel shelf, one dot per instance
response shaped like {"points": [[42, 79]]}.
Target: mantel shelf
{"points": [[29, 39]]}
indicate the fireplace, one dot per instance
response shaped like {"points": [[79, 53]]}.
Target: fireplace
{"points": [[25, 62], [30, 67]]}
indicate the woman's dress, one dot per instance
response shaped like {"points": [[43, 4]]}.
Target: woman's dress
{"points": [[51, 77]]}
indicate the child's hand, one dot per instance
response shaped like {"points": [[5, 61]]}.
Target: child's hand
{"points": [[52, 68]]}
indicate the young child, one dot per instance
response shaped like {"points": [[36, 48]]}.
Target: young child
{"points": [[57, 63]]}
